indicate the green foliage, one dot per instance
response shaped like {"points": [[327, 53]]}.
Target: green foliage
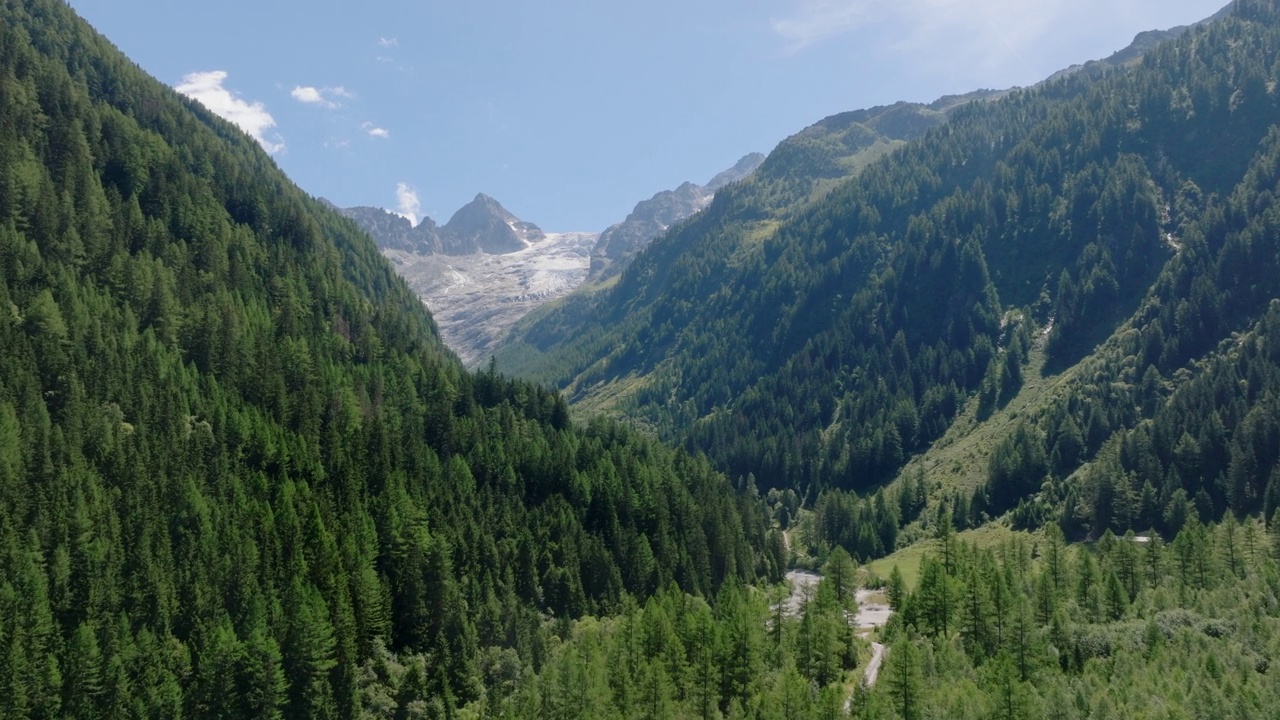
{"points": [[1166, 638], [678, 657], [238, 470], [819, 344]]}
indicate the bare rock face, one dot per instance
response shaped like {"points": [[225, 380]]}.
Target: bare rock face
{"points": [[483, 225], [476, 298], [651, 218], [395, 232], [739, 171]]}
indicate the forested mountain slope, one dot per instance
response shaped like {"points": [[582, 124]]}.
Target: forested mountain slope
{"points": [[823, 350], [1031, 628], [554, 343], [238, 470]]}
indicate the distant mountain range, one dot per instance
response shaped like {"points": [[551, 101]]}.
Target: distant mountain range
{"points": [[481, 225], [1056, 306], [485, 269]]}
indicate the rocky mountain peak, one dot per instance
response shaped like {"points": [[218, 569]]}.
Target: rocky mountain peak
{"points": [[650, 218], [396, 232], [483, 225], [740, 170]]}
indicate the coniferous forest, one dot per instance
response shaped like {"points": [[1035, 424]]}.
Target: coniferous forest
{"points": [[1023, 629], [237, 466], [1112, 232], [242, 477]]}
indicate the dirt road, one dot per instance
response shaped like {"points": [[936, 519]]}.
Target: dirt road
{"points": [[872, 614]]}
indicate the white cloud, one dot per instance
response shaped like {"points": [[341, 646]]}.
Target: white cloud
{"points": [[943, 34], [252, 117], [407, 205], [970, 38], [308, 95], [323, 97], [375, 131], [387, 42]]}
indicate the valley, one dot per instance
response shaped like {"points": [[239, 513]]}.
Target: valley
{"points": [[485, 270], [963, 409]]}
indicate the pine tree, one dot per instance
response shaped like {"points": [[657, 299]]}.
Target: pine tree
{"points": [[308, 656], [906, 680], [83, 688], [1117, 598], [839, 573]]}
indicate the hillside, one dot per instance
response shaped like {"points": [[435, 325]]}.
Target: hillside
{"points": [[1016, 628], [549, 345], [620, 242], [825, 344], [240, 476]]}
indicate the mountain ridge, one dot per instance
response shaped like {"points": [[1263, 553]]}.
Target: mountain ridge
{"points": [[816, 330], [650, 218]]}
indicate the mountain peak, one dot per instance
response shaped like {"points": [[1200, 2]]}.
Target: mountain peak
{"points": [[651, 218], [484, 225], [744, 167]]}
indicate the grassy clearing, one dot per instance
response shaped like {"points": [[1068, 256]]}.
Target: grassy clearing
{"points": [[908, 559], [605, 397]]}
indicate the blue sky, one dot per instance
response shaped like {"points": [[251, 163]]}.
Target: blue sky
{"points": [[571, 111]]}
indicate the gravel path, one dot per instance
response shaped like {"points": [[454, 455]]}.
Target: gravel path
{"points": [[873, 668], [871, 615]]}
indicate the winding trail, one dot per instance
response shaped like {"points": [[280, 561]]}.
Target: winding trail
{"points": [[872, 616]]}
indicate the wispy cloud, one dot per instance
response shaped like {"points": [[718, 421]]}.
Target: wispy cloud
{"points": [[816, 20], [324, 97], [944, 33], [375, 131], [407, 205], [252, 117], [388, 42]]}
